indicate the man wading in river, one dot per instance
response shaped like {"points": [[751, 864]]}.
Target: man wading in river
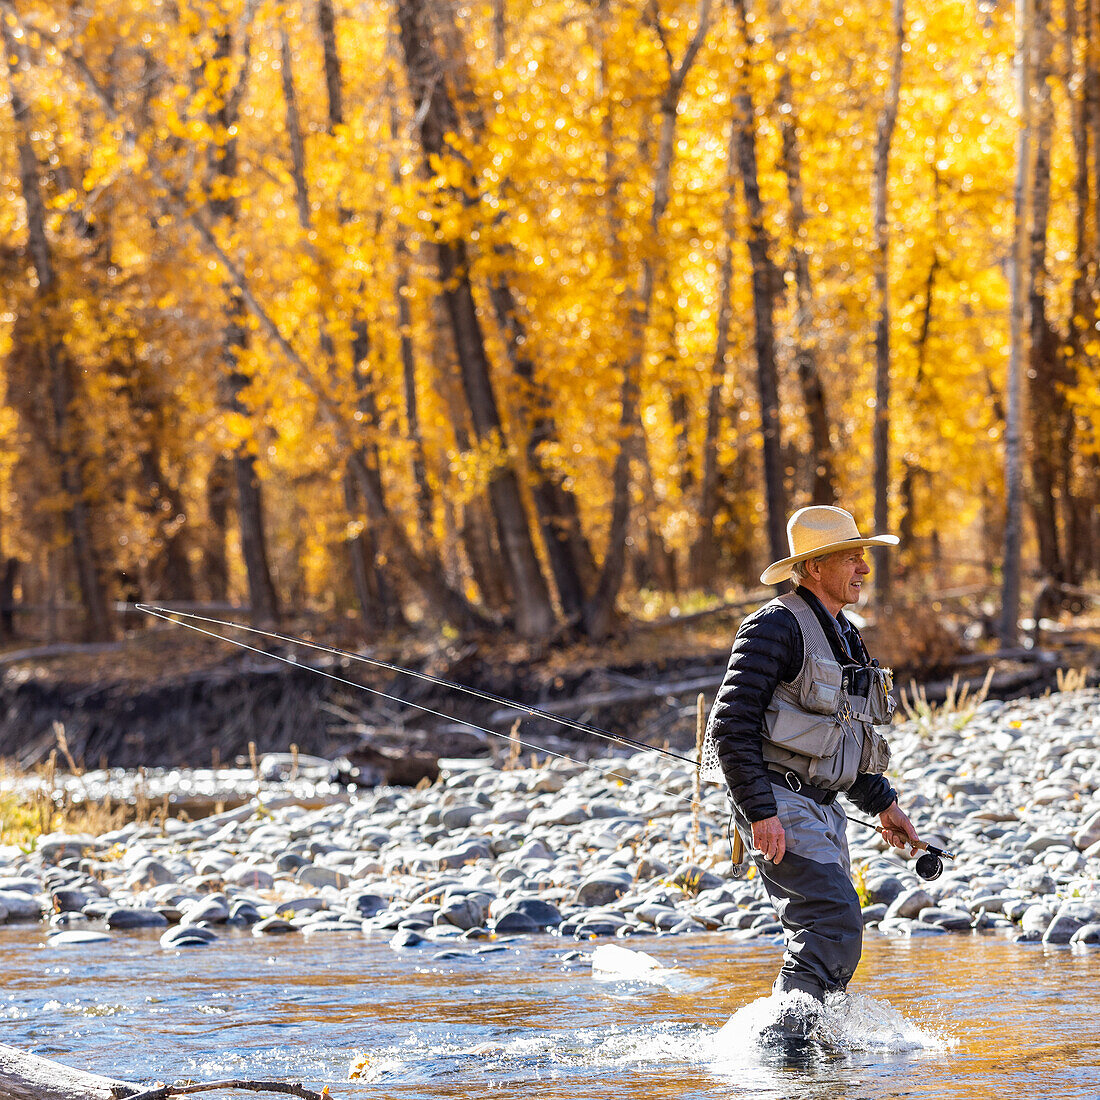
{"points": [[794, 724]]}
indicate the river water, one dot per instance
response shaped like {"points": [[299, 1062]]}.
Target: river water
{"points": [[939, 1017]]}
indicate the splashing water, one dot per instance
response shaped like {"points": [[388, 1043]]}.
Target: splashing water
{"points": [[852, 1021], [845, 1022]]}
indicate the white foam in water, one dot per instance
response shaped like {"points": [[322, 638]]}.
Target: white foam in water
{"points": [[611, 963], [365, 1067]]}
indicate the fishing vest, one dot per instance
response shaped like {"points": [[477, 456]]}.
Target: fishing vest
{"points": [[821, 725]]}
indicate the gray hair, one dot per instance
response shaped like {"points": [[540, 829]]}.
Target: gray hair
{"points": [[799, 572]]}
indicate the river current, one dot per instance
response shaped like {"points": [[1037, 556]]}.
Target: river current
{"points": [[938, 1017]]}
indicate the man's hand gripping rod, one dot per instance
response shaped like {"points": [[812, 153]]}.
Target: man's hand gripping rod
{"points": [[930, 865]]}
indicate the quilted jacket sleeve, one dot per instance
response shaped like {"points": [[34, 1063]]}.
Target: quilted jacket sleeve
{"points": [[767, 650], [872, 793]]}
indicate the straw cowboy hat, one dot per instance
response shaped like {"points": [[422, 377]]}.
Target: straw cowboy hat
{"points": [[816, 531]]}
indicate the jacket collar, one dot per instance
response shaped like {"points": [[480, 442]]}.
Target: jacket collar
{"points": [[832, 628]]}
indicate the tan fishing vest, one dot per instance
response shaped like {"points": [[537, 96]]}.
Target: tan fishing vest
{"points": [[814, 726]]}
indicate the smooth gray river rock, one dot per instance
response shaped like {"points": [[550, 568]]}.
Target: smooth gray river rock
{"points": [[32, 887], [77, 938], [149, 872], [1089, 832], [539, 912], [463, 912], [56, 847], [1036, 918], [882, 888], [273, 926], [1088, 934], [122, 917], [69, 901], [244, 874], [603, 888], [909, 903], [187, 936], [1070, 918], [211, 910], [17, 906], [951, 920], [316, 875], [365, 905]]}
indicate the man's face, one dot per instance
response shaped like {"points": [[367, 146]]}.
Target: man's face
{"points": [[840, 578]]}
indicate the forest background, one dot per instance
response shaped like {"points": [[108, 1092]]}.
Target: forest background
{"points": [[540, 315]]}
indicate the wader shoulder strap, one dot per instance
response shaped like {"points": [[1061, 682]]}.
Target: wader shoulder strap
{"points": [[814, 640]]}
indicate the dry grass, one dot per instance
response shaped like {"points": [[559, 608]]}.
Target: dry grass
{"points": [[955, 711], [34, 803], [1070, 680]]}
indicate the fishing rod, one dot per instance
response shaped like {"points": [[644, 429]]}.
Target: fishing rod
{"points": [[440, 681], [167, 615], [928, 866]]}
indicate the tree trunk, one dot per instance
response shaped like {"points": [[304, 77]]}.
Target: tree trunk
{"points": [[1082, 89], [375, 602], [567, 549], [215, 562], [326, 22], [766, 286], [421, 486], [1018, 283], [372, 586], [704, 552], [165, 506], [1046, 404], [263, 599], [57, 367], [8, 576], [822, 459], [534, 615], [556, 508], [599, 612], [879, 197]]}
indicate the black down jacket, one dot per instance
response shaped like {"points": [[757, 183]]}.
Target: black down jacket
{"points": [[767, 651]]}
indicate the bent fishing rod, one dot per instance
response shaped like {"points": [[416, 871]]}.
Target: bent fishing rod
{"points": [[931, 860]]}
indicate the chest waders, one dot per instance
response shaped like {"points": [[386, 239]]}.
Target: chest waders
{"points": [[819, 735]]}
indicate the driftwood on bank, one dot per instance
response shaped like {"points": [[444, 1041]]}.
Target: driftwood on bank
{"points": [[26, 1076], [644, 691]]}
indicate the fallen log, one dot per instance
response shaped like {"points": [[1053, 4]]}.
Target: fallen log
{"points": [[655, 691], [28, 1077]]}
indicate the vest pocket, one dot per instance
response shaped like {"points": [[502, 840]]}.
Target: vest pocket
{"points": [[805, 734], [880, 705], [822, 687], [875, 757], [838, 772]]}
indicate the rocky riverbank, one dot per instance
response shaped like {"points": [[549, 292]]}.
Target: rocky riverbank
{"points": [[614, 847]]}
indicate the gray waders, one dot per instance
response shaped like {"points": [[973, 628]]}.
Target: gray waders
{"points": [[813, 894]]}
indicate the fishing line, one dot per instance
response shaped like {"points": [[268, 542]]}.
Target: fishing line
{"points": [[166, 616], [439, 681], [178, 618]]}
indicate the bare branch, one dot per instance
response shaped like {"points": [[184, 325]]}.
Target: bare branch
{"points": [[286, 1088]]}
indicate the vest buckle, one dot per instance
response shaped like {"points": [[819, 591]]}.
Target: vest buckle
{"points": [[793, 781]]}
